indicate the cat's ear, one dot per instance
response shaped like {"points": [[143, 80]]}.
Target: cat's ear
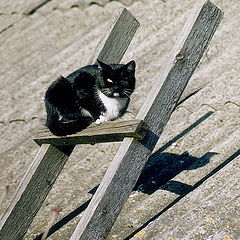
{"points": [[104, 65], [61, 78], [131, 66]]}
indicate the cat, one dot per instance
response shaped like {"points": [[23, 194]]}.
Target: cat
{"points": [[94, 93]]}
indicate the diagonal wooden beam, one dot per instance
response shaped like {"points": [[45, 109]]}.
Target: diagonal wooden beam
{"points": [[50, 160], [114, 44], [132, 155]]}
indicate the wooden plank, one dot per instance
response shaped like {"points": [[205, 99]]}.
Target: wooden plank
{"points": [[132, 155], [28, 199], [110, 51], [16, 219], [114, 131]]}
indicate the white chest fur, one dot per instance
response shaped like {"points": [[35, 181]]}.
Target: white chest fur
{"points": [[113, 105]]}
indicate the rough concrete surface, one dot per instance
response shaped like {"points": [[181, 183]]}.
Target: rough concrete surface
{"points": [[190, 187], [208, 220]]}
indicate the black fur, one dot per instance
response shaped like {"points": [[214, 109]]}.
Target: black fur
{"points": [[67, 99]]}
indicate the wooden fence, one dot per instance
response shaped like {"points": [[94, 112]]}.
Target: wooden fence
{"points": [[139, 136]]}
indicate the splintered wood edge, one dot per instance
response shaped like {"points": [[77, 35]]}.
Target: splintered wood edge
{"points": [[106, 132]]}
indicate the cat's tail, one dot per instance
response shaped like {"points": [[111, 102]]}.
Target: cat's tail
{"points": [[63, 128]]}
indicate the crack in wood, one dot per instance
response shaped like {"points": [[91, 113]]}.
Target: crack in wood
{"points": [[33, 10]]}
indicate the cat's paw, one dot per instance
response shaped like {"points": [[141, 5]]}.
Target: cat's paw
{"points": [[101, 119], [97, 121]]}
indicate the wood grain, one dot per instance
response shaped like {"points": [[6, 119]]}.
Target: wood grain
{"points": [[132, 155], [32, 191], [112, 46], [49, 162], [114, 131]]}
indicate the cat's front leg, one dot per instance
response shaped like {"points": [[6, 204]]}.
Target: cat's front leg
{"points": [[101, 119]]}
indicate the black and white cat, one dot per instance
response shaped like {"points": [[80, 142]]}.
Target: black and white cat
{"points": [[95, 93]]}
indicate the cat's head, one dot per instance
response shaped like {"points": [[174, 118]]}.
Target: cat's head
{"points": [[118, 80]]}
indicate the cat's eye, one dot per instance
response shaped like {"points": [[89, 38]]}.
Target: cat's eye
{"points": [[109, 80]]}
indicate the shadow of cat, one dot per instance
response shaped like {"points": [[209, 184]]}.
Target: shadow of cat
{"points": [[162, 167]]}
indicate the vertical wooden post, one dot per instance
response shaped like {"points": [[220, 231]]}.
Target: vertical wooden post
{"points": [[49, 162], [123, 172]]}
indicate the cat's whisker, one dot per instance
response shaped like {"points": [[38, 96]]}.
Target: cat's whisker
{"points": [[128, 90], [126, 94]]}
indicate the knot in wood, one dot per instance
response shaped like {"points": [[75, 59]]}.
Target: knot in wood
{"points": [[104, 211], [179, 56]]}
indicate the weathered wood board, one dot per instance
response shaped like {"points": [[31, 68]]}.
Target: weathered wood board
{"points": [[50, 160], [132, 155], [113, 45], [38, 179], [113, 131]]}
